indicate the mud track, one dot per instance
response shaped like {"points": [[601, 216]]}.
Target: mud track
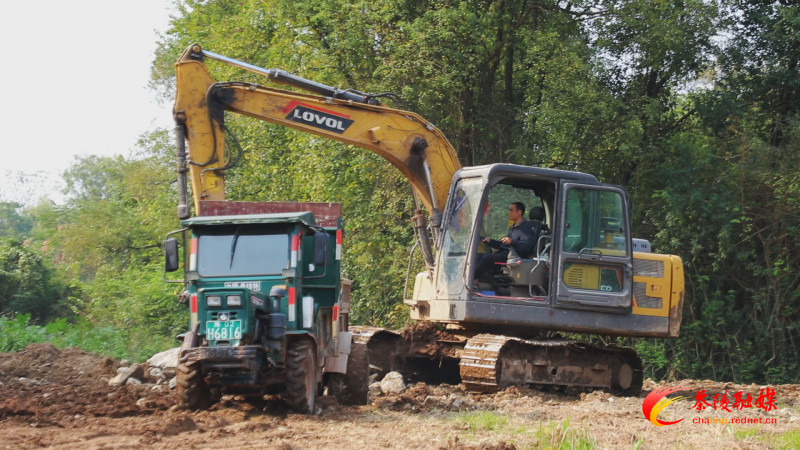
{"points": [[61, 399]]}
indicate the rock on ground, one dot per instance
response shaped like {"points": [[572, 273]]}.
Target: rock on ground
{"points": [[392, 384], [375, 389], [165, 359], [135, 371]]}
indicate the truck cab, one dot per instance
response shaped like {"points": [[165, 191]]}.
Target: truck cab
{"points": [[258, 285]]}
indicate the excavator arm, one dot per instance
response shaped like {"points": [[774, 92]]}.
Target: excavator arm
{"points": [[412, 144]]}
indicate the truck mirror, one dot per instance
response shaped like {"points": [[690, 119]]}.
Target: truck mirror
{"points": [[171, 255], [320, 249]]}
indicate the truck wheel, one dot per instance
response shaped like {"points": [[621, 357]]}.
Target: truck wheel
{"points": [[192, 390], [301, 377]]}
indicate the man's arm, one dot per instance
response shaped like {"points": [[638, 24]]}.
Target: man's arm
{"points": [[494, 243]]}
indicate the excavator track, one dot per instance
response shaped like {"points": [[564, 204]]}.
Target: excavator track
{"points": [[487, 363], [372, 351], [490, 363]]}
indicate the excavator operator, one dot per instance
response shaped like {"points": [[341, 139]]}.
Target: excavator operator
{"points": [[520, 238]]}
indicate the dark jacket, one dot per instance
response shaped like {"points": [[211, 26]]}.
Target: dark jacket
{"points": [[522, 239]]}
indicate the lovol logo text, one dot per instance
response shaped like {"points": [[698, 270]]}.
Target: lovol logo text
{"points": [[317, 117]]}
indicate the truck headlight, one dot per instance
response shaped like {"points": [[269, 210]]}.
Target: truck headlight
{"points": [[213, 300], [233, 300]]}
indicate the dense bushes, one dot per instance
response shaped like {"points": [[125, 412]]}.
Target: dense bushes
{"points": [[18, 332]]}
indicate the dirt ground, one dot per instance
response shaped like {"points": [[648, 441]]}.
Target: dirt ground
{"points": [[61, 399]]}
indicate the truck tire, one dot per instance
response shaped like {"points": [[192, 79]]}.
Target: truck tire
{"points": [[192, 390], [301, 377]]}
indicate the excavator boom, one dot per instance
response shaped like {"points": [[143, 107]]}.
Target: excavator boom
{"points": [[412, 144]]}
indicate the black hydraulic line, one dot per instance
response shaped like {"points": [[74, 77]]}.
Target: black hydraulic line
{"points": [[421, 227], [279, 76], [180, 159]]}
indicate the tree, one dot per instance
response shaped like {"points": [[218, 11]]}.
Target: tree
{"points": [[14, 221], [27, 285]]}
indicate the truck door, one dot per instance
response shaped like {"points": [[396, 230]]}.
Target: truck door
{"points": [[594, 253]]}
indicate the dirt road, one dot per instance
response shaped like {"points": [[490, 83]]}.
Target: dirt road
{"points": [[61, 399]]}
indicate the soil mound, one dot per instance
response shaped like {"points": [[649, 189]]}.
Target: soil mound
{"points": [[423, 338], [426, 331], [52, 385]]}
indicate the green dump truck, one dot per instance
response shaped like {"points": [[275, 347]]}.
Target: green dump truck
{"points": [[268, 309]]}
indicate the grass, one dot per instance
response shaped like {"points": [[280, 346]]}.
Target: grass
{"points": [[555, 436], [744, 434], [788, 440], [17, 333], [540, 436], [482, 420]]}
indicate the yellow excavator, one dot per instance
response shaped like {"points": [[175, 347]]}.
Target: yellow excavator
{"points": [[585, 274]]}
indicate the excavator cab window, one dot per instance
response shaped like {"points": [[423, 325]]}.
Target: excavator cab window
{"points": [[595, 250], [459, 223], [594, 221], [495, 223]]}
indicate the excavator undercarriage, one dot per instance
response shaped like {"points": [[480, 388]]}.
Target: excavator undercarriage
{"points": [[486, 363]]}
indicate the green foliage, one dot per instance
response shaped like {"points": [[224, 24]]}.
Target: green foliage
{"points": [[14, 221], [747, 433], [555, 436], [543, 435], [107, 240], [482, 420], [17, 333], [118, 209], [27, 285], [134, 298], [789, 439], [728, 207]]}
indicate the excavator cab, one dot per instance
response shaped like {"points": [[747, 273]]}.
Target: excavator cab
{"points": [[478, 208], [512, 276], [583, 262]]}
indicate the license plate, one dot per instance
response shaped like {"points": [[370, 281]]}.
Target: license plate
{"points": [[217, 330]]}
